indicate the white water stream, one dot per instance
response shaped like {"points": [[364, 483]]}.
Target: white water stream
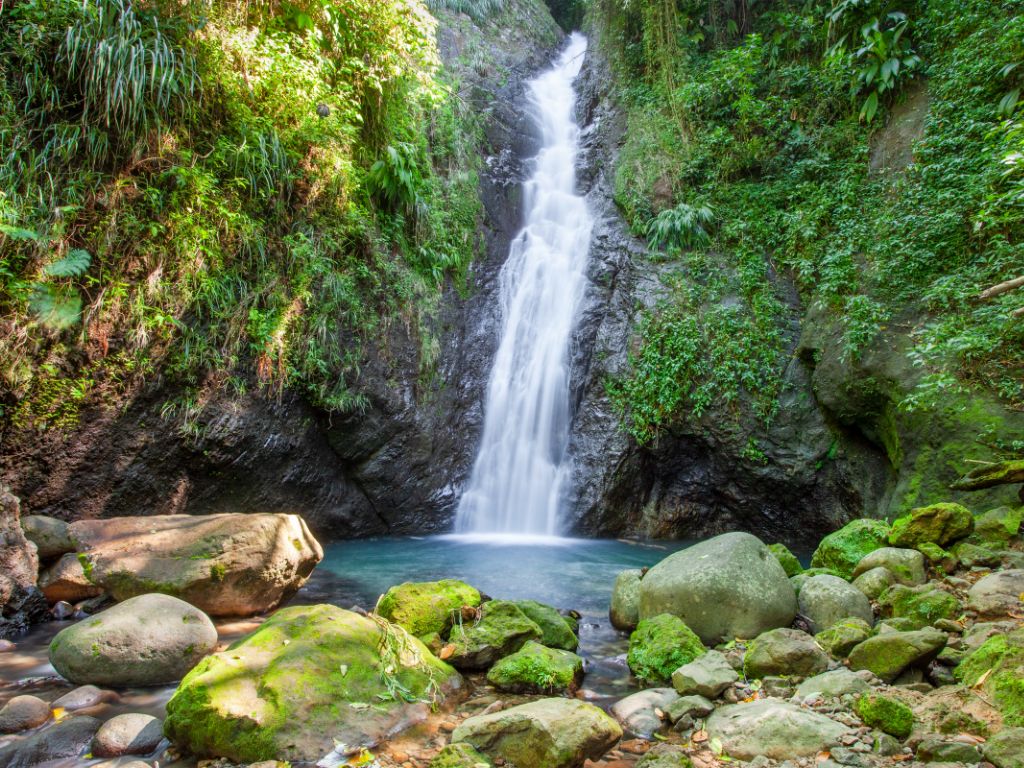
{"points": [[519, 476]]}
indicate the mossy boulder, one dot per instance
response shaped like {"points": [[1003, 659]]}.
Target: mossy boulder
{"points": [[535, 668], [784, 652], [887, 654], [841, 550], [938, 557], [553, 733], [147, 640], [998, 668], [874, 582], [939, 524], [997, 526], [772, 728], [1006, 748], [659, 646], [972, 555], [307, 677], [886, 714], [426, 606], [824, 600], [922, 605], [789, 562], [665, 756], [557, 631], [460, 756], [907, 565], [624, 611], [843, 636], [502, 629]]}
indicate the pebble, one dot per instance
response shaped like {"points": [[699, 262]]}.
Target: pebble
{"points": [[61, 610], [22, 713], [83, 697], [130, 734]]}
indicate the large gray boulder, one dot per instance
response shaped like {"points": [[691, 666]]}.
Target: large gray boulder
{"points": [[998, 594], [825, 599], [147, 640], [51, 536], [828, 685], [774, 729], [723, 588], [549, 733], [888, 654], [625, 608]]}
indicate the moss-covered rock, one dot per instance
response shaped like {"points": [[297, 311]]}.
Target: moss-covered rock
{"points": [[460, 756], [784, 652], [665, 756], [939, 524], [972, 555], [789, 562], [886, 714], [889, 653], [874, 582], [659, 646], [907, 565], [843, 636], [558, 632], [309, 675], [502, 629], [426, 606], [998, 667], [535, 668], [937, 557], [998, 526], [922, 605], [842, 550], [624, 611]]}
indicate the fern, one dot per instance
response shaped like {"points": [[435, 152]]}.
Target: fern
{"points": [[74, 264], [56, 306], [478, 10], [682, 227]]}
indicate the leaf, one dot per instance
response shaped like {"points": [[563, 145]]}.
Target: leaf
{"points": [[56, 307], [17, 233], [1009, 102], [75, 264], [867, 112]]}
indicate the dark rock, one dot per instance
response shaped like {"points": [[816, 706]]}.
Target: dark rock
{"points": [[83, 697], [21, 603], [70, 738]]}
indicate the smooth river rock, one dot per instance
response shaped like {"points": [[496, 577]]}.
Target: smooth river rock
{"points": [[784, 652], [907, 565], [67, 740], [638, 712], [723, 588], [773, 728], [129, 734], [51, 536], [147, 640], [22, 713], [225, 565], [549, 733], [825, 599], [998, 594], [625, 608]]}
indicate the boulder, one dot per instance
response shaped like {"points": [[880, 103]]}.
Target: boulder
{"points": [[549, 733], [886, 714], [789, 562], [922, 606], [692, 706], [843, 549], [888, 654], [67, 580], [21, 603], [68, 740], [50, 535], [557, 631], [998, 594], [874, 582], [843, 636], [625, 608], [659, 646], [130, 734], [773, 728], [706, 676], [665, 756], [972, 556], [535, 668], [1006, 748], [22, 713], [726, 587], [426, 606], [308, 677], [147, 640], [784, 652], [824, 600], [459, 756], [830, 685], [638, 712], [999, 525], [225, 565], [936, 749], [997, 668], [907, 565], [501, 629], [936, 524]]}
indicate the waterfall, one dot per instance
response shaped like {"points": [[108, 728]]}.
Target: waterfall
{"points": [[519, 476]]}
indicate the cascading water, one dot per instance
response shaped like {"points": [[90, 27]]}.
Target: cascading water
{"points": [[518, 479]]}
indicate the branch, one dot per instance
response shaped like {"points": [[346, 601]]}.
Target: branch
{"points": [[1003, 473], [997, 290]]}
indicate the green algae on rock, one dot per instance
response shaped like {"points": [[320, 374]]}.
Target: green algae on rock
{"points": [[624, 611], [784, 652], [843, 636], [922, 605], [889, 653], [426, 606], [842, 550], [502, 629], [886, 714], [307, 677], [535, 668], [659, 646], [935, 524], [459, 756], [558, 632], [998, 668], [789, 562]]}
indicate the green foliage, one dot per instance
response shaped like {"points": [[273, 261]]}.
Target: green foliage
{"points": [[682, 227], [478, 10]]}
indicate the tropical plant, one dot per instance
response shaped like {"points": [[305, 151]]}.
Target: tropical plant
{"points": [[682, 227], [59, 305]]}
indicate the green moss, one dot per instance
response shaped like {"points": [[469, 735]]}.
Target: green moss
{"points": [[885, 714], [842, 550], [502, 629], [659, 646], [936, 524], [535, 668], [997, 526], [218, 571], [998, 668], [963, 722], [923, 605], [558, 632], [843, 636], [459, 755], [789, 562], [87, 566], [428, 606]]}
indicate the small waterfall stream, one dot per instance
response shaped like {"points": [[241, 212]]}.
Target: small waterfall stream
{"points": [[518, 478]]}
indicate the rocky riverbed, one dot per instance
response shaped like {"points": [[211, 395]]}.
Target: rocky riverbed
{"points": [[901, 643]]}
